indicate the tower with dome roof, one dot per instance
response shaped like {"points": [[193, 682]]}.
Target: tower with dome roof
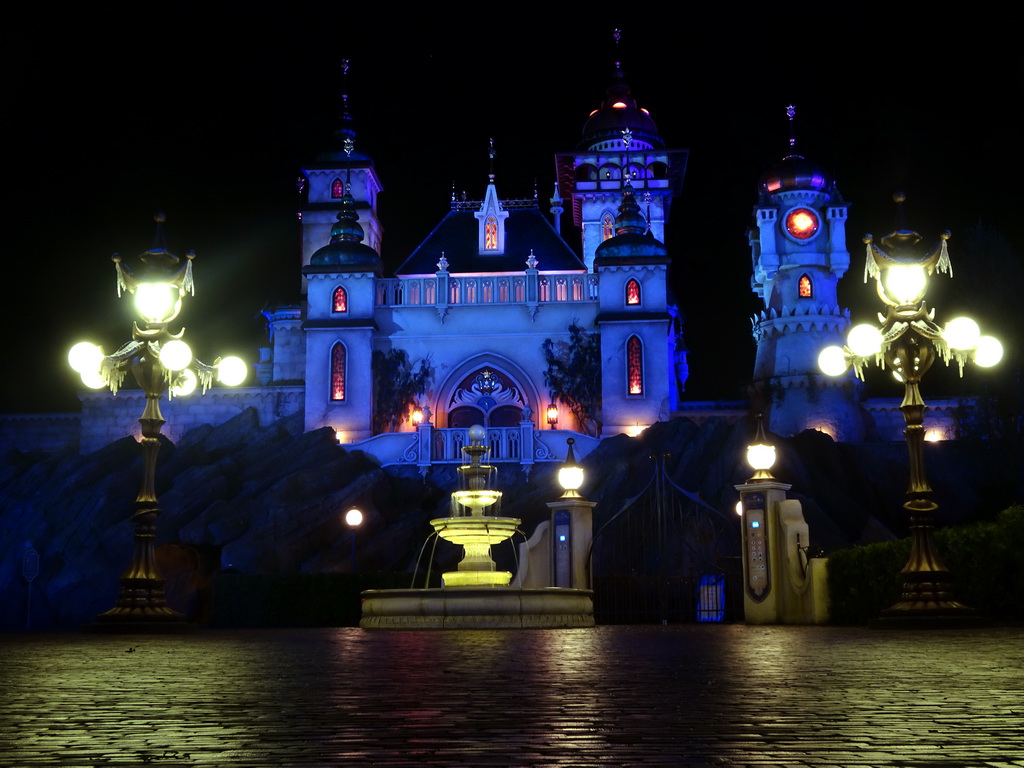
{"points": [[798, 250]]}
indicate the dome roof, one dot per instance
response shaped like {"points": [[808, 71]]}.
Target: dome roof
{"points": [[617, 112], [794, 172], [632, 239], [346, 248]]}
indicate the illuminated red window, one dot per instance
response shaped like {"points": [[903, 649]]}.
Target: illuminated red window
{"points": [[635, 366], [607, 226], [338, 356], [805, 287], [340, 301], [491, 234], [632, 292], [337, 189]]}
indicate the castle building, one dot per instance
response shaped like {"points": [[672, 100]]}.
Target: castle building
{"points": [[481, 295]]}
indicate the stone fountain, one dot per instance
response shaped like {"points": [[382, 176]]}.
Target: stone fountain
{"points": [[476, 595]]}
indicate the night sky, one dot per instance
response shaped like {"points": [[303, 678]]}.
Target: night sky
{"points": [[114, 113]]}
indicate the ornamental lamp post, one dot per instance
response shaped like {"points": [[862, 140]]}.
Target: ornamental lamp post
{"points": [[159, 360], [908, 341]]}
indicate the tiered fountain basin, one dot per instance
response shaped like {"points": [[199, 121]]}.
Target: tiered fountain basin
{"points": [[476, 534]]}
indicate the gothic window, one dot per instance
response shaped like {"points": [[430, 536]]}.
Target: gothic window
{"points": [[632, 293], [806, 290], [414, 293], [337, 189], [503, 292], [471, 291], [561, 290], [487, 292], [430, 292], [453, 292], [338, 361], [545, 289], [607, 226], [339, 303], [491, 234], [634, 366], [520, 291], [577, 289]]}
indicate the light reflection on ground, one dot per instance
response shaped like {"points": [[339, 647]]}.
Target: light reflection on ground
{"points": [[677, 695]]}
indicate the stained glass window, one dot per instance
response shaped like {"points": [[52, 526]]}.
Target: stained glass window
{"points": [[805, 288], [635, 366], [340, 301], [632, 292], [491, 234], [337, 189], [338, 360], [607, 226]]}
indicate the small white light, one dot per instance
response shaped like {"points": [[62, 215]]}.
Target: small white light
{"points": [[85, 356], [92, 379], [185, 384], [231, 371], [570, 477], [904, 284], [353, 517], [988, 352], [832, 361], [739, 508], [761, 456], [961, 333], [864, 340], [175, 355]]}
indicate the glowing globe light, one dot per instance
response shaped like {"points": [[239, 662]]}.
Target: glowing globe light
{"points": [[739, 508], [185, 384], [157, 302], [988, 351], [175, 355], [761, 456], [477, 434], [801, 223], [570, 477], [904, 284], [353, 517], [832, 361], [85, 357], [231, 371], [92, 379], [961, 333], [864, 340]]}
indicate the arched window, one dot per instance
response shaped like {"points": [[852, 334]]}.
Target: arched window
{"points": [[337, 189], [339, 303], [491, 234], [561, 289], [338, 360], [805, 287], [632, 293], [586, 172], [607, 226], [634, 366], [545, 289]]}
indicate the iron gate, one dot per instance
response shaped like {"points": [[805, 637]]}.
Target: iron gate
{"points": [[666, 557]]}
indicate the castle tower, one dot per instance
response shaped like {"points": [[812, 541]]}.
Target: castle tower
{"points": [[591, 177], [798, 247], [324, 183]]}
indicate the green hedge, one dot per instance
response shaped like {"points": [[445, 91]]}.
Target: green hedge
{"points": [[295, 600], [982, 558]]}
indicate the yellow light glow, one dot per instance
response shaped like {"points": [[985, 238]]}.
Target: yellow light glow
{"points": [[570, 478], [864, 340], [961, 333], [832, 361], [904, 284], [85, 356], [635, 430], [231, 371], [185, 384], [761, 456], [92, 379], [619, 105], [175, 355], [988, 352], [932, 436], [353, 518], [417, 416], [157, 302], [340, 436]]}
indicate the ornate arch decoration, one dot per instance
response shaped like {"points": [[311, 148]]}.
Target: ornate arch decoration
{"points": [[489, 383]]}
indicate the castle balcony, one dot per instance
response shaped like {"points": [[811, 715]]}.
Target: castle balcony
{"points": [[486, 290]]}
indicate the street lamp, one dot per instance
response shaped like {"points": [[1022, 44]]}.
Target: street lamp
{"points": [[570, 474], [159, 359], [761, 455], [353, 519], [552, 414], [908, 342]]}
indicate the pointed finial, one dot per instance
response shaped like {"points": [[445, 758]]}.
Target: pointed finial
{"points": [[791, 114], [490, 155], [617, 37], [900, 198]]}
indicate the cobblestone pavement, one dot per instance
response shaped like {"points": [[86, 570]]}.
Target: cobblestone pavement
{"points": [[610, 696]]}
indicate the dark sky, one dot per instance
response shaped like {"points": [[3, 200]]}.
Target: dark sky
{"points": [[113, 113]]}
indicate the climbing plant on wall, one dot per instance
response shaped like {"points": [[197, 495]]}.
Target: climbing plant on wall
{"points": [[573, 376]]}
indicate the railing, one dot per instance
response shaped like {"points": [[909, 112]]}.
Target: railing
{"points": [[529, 288]]}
